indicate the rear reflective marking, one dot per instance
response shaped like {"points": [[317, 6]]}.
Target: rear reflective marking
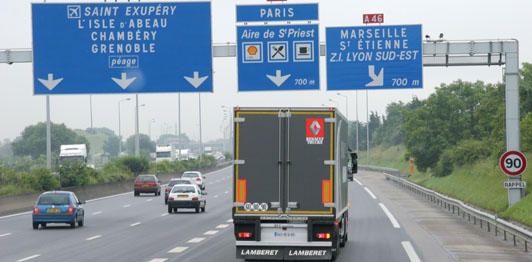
{"points": [[178, 250], [326, 191], [196, 240], [241, 185]]}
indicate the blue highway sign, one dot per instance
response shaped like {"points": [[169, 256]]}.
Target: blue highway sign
{"points": [[264, 13], [81, 48], [374, 57], [278, 57]]}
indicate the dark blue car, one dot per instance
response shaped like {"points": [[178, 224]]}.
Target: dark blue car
{"points": [[58, 207]]}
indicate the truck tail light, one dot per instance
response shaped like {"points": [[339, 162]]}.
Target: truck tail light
{"points": [[323, 235], [245, 234]]}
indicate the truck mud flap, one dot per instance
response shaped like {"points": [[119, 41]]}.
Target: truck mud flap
{"points": [[283, 253]]}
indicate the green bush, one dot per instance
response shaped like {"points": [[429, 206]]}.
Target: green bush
{"points": [[45, 180], [137, 165], [74, 173]]}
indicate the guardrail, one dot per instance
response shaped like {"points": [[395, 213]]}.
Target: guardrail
{"points": [[493, 223]]}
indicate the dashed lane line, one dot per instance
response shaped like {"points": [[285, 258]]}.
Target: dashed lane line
{"points": [[390, 216], [94, 237], [178, 250], [410, 251], [211, 232], [196, 240], [28, 258]]}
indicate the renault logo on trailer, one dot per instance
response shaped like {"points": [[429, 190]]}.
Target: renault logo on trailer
{"points": [[315, 131]]}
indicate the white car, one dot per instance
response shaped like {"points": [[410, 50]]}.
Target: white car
{"points": [[196, 177], [186, 196]]}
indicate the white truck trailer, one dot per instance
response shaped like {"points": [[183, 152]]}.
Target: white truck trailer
{"points": [[290, 183], [74, 152], [164, 152]]}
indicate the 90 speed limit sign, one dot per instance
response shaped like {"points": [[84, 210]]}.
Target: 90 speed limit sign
{"points": [[513, 163]]}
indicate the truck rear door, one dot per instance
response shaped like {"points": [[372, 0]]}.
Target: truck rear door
{"points": [[283, 162]]}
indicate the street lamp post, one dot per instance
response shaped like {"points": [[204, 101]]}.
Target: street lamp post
{"points": [[200, 141], [334, 101], [346, 107], [119, 129], [137, 139]]}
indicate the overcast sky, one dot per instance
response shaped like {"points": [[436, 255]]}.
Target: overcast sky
{"points": [[456, 19]]}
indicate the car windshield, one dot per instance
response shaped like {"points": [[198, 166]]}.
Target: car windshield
{"points": [[54, 200], [183, 189], [190, 175], [178, 182], [146, 178]]}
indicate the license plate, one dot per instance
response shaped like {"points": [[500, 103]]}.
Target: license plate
{"points": [[145, 185], [182, 196], [53, 210]]}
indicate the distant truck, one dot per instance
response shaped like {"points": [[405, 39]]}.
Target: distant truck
{"points": [[183, 154], [164, 152], [74, 152], [290, 183]]}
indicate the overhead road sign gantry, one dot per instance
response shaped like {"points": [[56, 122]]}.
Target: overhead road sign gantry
{"points": [[277, 56], [374, 57], [81, 48]]}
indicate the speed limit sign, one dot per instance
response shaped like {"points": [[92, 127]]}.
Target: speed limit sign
{"points": [[513, 163]]}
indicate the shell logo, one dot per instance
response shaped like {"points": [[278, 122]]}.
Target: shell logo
{"points": [[252, 50]]}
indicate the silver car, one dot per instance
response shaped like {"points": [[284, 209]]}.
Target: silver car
{"points": [[196, 177]]}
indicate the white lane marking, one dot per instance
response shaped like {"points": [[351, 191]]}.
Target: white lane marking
{"points": [[148, 200], [211, 232], [229, 220], [356, 180], [28, 258], [158, 259], [165, 214], [222, 226], [390, 216], [178, 250], [196, 240], [97, 213], [410, 251], [226, 192], [370, 193], [134, 224], [215, 196], [5, 235], [128, 205], [94, 237]]}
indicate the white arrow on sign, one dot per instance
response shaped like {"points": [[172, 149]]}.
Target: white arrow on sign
{"points": [[278, 79], [50, 83], [378, 80], [196, 81], [124, 82]]}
